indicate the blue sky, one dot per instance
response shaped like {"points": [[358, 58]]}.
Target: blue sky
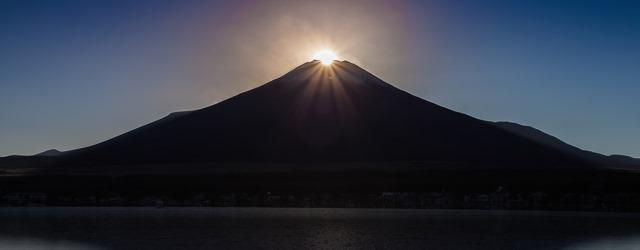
{"points": [[74, 73]]}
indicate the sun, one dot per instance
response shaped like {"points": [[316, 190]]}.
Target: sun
{"points": [[325, 56]]}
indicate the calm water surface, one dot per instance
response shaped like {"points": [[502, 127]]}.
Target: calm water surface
{"points": [[312, 228]]}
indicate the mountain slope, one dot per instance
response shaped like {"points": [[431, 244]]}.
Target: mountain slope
{"points": [[316, 113], [551, 141]]}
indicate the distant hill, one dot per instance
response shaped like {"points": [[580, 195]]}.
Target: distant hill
{"points": [[51, 152], [23, 162]]}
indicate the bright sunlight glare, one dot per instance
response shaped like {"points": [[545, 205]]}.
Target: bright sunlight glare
{"points": [[325, 56]]}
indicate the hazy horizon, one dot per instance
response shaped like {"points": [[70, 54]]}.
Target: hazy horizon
{"points": [[76, 73]]}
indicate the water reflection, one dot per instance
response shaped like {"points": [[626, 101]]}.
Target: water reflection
{"points": [[304, 228], [38, 244], [621, 243]]}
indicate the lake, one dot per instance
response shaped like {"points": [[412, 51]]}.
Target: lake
{"points": [[312, 228]]}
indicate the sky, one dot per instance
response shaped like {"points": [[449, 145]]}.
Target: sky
{"points": [[75, 73]]}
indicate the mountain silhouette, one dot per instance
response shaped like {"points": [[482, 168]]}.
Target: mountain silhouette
{"points": [[50, 152], [317, 113], [551, 141]]}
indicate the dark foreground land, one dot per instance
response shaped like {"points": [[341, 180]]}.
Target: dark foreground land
{"points": [[594, 190], [313, 228]]}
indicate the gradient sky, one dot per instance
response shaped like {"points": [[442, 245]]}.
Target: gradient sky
{"points": [[74, 73]]}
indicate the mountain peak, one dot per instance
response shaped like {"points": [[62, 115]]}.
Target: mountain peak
{"points": [[50, 152], [338, 72]]}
